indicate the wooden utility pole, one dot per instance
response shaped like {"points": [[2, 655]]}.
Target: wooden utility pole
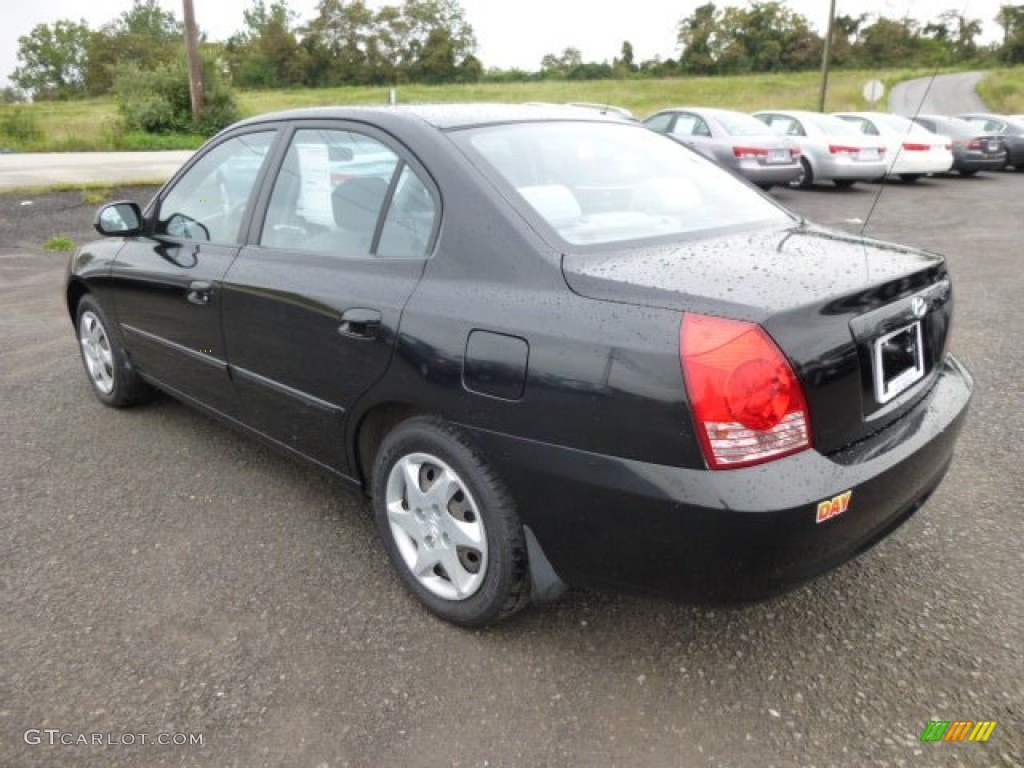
{"points": [[195, 67], [826, 56]]}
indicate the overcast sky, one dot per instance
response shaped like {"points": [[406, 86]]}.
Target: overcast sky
{"points": [[511, 33]]}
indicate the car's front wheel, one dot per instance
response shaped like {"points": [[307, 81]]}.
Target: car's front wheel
{"points": [[110, 373], [449, 524]]}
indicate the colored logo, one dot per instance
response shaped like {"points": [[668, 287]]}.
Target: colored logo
{"points": [[834, 506], [958, 730]]}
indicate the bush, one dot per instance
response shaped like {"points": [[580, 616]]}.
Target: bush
{"points": [[158, 101], [18, 125]]}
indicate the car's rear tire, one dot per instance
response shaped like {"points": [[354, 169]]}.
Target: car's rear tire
{"points": [[114, 381], [806, 179], [449, 524], [910, 178], [844, 183], [969, 172]]}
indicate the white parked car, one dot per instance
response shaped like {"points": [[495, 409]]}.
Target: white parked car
{"points": [[831, 149], [912, 151]]}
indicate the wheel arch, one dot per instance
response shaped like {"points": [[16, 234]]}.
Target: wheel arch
{"points": [[76, 289], [372, 427]]}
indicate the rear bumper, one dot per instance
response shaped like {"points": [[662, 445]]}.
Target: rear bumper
{"points": [[769, 174], [921, 163], [734, 535], [855, 170], [978, 162]]}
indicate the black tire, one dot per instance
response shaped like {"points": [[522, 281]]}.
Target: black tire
{"points": [[844, 183], [910, 178], [969, 172], [113, 379], [415, 529], [806, 179]]}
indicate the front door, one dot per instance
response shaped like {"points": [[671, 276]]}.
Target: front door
{"points": [[312, 306], [167, 284]]}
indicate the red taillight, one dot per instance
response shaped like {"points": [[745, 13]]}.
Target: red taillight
{"points": [[911, 147], [974, 144], [741, 152], [747, 402], [949, 147], [796, 151], [838, 149]]}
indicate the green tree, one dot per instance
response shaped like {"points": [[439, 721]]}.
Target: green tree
{"points": [[766, 37], [337, 42], [145, 36], [1011, 19], [561, 67], [625, 64], [266, 53], [698, 36], [890, 42], [52, 60], [438, 39]]}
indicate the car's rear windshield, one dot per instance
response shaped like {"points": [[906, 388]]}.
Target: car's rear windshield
{"points": [[905, 125], [833, 126], [738, 124], [597, 183]]}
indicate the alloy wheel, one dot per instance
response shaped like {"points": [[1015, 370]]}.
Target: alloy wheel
{"points": [[437, 526]]}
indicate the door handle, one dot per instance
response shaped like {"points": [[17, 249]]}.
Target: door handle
{"points": [[360, 323], [199, 292]]}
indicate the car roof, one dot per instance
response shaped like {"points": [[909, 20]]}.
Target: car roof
{"points": [[442, 116]]}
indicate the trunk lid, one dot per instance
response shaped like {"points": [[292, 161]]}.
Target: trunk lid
{"points": [[852, 314]]}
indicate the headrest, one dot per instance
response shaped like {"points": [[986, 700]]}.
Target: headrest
{"points": [[357, 203]]}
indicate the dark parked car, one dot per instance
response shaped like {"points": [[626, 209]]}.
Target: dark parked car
{"points": [[1011, 130], [973, 149], [734, 140], [553, 347]]}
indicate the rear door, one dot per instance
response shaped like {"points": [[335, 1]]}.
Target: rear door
{"points": [[312, 305], [167, 285]]}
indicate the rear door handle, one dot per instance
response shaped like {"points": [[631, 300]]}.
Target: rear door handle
{"points": [[360, 323], [199, 292]]}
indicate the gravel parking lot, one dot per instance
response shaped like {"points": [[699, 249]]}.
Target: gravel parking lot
{"points": [[163, 576]]}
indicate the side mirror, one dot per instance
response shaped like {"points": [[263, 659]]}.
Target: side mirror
{"points": [[123, 219]]}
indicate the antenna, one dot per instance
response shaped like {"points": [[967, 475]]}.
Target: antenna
{"points": [[916, 112]]}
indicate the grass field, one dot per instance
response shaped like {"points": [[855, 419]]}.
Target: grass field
{"points": [[1003, 91], [93, 124]]}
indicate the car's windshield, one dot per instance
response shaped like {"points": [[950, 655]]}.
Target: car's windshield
{"points": [[738, 124], [597, 183]]}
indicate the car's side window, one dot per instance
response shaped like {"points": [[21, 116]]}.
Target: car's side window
{"points": [[409, 222], [686, 125], [864, 126], [660, 122], [329, 194], [209, 201]]}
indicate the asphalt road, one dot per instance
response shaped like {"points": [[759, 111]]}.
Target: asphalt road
{"points": [[161, 574], [939, 95], [30, 169]]}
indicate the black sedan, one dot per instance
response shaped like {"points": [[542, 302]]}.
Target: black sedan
{"points": [[553, 348], [973, 149], [1011, 130]]}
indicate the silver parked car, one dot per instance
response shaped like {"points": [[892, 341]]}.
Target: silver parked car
{"points": [[831, 149], [734, 140], [911, 150]]}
